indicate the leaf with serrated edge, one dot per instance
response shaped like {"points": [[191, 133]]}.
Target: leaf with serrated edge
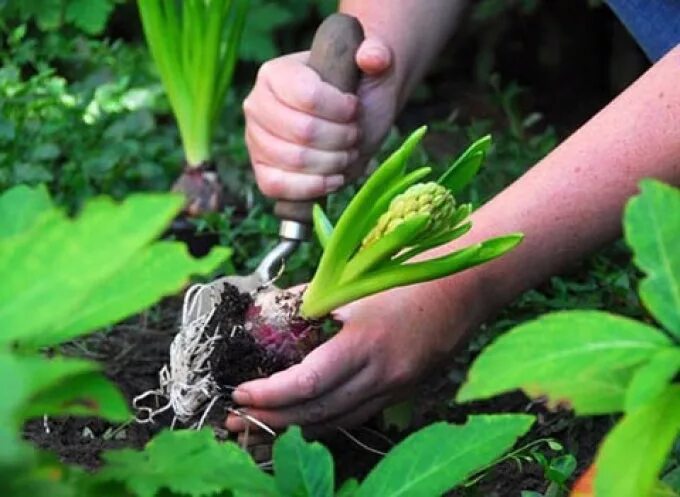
{"points": [[652, 230], [639, 443], [302, 469], [652, 379], [49, 269], [583, 358], [442, 455], [156, 271], [186, 462], [21, 207]]}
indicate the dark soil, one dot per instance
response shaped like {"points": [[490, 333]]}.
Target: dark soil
{"points": [[134, 352], [239, 358]]}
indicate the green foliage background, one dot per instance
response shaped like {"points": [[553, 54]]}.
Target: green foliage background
{"points": [[82, 111]]}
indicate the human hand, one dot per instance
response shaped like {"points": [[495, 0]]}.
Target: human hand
{"points": [[307, 138], [388, 341]]}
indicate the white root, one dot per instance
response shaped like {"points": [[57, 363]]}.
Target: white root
{"points": [[187, 384]]}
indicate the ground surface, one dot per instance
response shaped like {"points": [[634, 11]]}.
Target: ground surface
{"points": [[133, 353]]}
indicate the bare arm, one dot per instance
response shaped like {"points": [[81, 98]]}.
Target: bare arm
{"points": [[571, 203], [568, 205]]}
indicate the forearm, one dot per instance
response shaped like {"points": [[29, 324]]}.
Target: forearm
{"points": [[571, 203], [415, 31]]}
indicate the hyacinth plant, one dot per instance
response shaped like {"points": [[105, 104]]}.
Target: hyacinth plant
{"points": [[194, 44], [394, 217]]}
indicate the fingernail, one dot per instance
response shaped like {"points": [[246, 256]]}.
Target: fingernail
{"points": [[332, 183], [241, 397], [352, 158]]}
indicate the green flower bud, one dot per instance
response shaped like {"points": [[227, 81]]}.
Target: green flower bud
{"points": [[430, 198]]}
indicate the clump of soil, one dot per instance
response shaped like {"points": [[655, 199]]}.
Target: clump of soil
{"points": [[237, 357]]}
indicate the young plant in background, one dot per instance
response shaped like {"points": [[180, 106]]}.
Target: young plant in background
{"points": [[194, 44], [599, 363]]}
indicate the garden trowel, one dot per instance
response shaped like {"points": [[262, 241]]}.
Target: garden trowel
{"points": [[332, 56]]}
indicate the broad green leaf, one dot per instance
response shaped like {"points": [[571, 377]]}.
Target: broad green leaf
{"points": [[652, 379], [49, 270], [20, 207], [349, 488], [86, 394], [89, 15], [440, 456], [154, 272], [56, 386], [186, 462], [322, 225], [584, 359], [461, 172], [652, 229], [639, 443], [302, 469]]}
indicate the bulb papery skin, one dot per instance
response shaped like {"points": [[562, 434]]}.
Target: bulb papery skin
{"points": [[430, 198], [275, 324]]}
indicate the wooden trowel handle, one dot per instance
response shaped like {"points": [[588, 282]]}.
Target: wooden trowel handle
{"points": [[333, 57]]}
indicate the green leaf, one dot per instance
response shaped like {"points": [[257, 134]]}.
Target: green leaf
{"points": [[652, 379], [259, 33], [86, 394], [583, 358], [89, 15], [348, 489], [56, 386], [672, 479], [186, 462], [302, 469], [639, 443], [561, 468], [461, 172], [371, 257], [20, 208], [662, 490], [398, 416], [49, 270], [440, 456], [158, 270], [652, 229], [322, 225]]}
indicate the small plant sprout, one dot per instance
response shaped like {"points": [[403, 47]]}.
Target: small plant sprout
{"points": [[194, 44], [396, 216]]}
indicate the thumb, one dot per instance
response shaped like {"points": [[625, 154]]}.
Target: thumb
{"points": [[374, 57]]}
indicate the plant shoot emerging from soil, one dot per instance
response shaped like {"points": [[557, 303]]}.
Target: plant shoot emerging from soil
{"points": [[194, 44]]}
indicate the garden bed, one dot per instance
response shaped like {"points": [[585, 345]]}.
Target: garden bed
{"points": [[133, 352]]}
